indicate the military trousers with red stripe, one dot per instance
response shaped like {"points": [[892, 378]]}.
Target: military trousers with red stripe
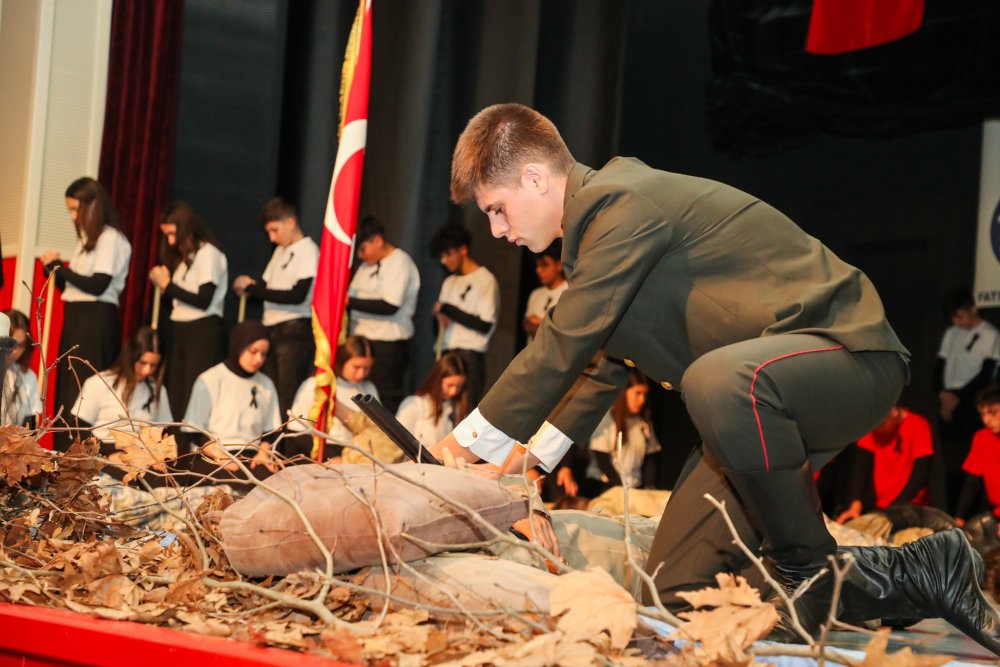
{"points": [[764, 407]]}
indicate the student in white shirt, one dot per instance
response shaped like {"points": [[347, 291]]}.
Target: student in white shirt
{"points": [[630, 417], [967, 362], [194, 274], [286, 288], [235, 402], [91, 285], [439, 403], [468, 304], [352, 366], [131, 389], [548, 268], [23, 403], [382, 298]]}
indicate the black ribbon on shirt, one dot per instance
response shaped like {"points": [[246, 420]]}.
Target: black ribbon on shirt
{"points": [[253, 397], [968, 348], [378, 267], [468, 288], [148, 405], [548, 302], [291, 256]]}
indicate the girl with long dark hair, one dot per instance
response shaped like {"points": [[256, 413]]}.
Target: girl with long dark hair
{"points": [[194, 273], [441, 401], [91, 285], [630, 417], [131, 389]]}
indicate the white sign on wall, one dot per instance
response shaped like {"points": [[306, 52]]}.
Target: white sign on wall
{"points": [[987, 285]]}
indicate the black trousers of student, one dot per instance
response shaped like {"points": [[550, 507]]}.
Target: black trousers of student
{"points": [[197, 346], [291, 359], [475, 374], [769, 404], [392, 357], [92, 327]]}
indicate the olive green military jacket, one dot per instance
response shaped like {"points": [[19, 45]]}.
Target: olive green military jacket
{"points": [[663, 268]]}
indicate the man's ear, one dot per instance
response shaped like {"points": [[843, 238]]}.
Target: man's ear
{"points": [[536, 176]]}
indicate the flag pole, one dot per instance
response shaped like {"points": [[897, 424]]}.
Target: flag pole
{"points": [[155, 324]]}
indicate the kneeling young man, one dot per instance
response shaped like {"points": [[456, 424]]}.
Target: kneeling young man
{"points": [[781, 351]]}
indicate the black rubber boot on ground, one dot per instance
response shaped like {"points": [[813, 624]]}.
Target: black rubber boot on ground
{"points": [[933, 577], [785, 507]]}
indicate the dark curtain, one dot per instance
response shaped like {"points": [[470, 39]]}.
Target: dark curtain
{"points": [[137, 151], [767, 93], [435, 63]]}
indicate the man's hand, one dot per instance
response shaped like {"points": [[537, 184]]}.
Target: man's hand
{"points": [[949, 401], [456, 450], [565, 479], [538, 529], [49, 256], [531, 323]]}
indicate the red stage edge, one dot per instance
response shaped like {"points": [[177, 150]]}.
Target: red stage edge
{"points": [[36, 636]]}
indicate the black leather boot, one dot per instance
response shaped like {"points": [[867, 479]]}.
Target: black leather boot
{"points": [[785, 507], [933, 577]]}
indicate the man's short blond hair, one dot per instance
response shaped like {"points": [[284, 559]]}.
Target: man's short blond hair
{"points": [[497, 142]]}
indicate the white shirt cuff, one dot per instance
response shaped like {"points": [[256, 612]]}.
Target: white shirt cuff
{"points": [[549, 445], [483, 438], [489, 443]]}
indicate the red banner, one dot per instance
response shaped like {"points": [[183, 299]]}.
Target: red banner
{"points": [[838, 26]]}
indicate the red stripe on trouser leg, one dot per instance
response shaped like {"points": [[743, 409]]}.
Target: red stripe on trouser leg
{"points": [[753, 399]]}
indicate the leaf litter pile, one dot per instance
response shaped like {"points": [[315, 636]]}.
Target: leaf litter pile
{"points": [[61, 548]]}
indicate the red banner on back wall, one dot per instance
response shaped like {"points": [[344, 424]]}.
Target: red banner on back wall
{"points": [[838, 26], [341, 220]]}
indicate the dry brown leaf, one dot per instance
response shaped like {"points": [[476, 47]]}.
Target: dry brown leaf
{"points": [[187, 589], [20, 455], [343, 644], [203, 626], [103, 612], [115, 591], [148, 449], [875, 655], [15, 590], [77, 467], [591, 602], [725, 631], [732, 590], [92, 563], [284, 634]]}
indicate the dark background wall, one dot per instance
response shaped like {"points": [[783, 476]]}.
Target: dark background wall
{"points": [[259, 113]]}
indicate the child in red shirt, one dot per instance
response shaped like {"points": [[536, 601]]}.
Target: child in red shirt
{"points": [[896, 464], [983, 463]]}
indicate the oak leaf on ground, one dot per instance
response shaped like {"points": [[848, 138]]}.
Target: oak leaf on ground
{"points": [[20, 455], [591, 602], [343, 644], [148, 449], [875, 655], [738, 619]]}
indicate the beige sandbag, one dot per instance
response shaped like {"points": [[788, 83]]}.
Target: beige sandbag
{"points": [[592, 540], [642, 502], [262, 534], [370, 438], [478, 582]]}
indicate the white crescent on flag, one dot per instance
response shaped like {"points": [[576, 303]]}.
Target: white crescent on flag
{"points": [[352, 140]]}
